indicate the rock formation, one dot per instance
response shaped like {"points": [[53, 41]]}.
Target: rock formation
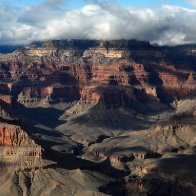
{"points": [[125, 64], [15, 144], [97, 115]]}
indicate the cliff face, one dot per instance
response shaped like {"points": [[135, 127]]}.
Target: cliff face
{"points": [[16, 145], [147, 72], [12, 135], [100, 100], [34, 96]]}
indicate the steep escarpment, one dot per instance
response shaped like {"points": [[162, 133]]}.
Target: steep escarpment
{"points": [[97, 63], [12, 135], [15, 144], [106, 113]]}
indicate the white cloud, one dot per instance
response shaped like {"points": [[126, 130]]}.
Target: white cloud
{"points": [[163, 25], [91, 9], [192, 2]]}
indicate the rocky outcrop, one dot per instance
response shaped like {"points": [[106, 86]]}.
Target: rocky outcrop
{"points": [[123, 105], [6, 98], [34, 96], [89, 94], [12, 135], [158, 186], [153, 143], [16, 144], [87, 63]]}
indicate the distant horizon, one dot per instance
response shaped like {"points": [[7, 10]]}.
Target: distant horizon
{"points": [[64, 39]]}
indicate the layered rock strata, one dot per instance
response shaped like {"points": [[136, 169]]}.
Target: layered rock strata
{"points": [[78, 65], [15, 144]]}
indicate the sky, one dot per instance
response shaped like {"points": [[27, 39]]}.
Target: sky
{"points": [[163, 22], [79, 3]]}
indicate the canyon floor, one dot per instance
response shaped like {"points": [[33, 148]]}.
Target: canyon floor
{"points": [[98, 118]]}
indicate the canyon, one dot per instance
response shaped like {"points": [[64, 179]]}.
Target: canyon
{"points": [[94, 117]]}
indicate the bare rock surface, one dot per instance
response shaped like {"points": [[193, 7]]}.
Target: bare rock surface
{"points": [[90, 117]]}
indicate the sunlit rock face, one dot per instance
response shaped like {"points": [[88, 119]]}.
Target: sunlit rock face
{"points": [[139, 69], [17, 148], [96, 115]]}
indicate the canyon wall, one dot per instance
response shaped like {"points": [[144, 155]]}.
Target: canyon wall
{"points": [[78, 65], [16, 145]]}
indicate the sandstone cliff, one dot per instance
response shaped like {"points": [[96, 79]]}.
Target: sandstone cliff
{"points": [[122, 108], [16, 146], [96, 63]]}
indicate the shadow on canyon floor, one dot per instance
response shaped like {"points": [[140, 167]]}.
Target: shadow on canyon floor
{"points": [[171, 176], [48, 116], [112, 119], [181, 164], [70, 162], [40, 123]]}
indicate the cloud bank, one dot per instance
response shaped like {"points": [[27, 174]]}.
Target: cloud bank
{"points": [[192, 2], [162, 25]]}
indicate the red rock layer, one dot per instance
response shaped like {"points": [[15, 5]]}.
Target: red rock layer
{"points": [[142, 72], [14, 140]]}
